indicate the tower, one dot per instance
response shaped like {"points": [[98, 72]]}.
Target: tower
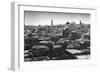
{"points": [[80, 22], [51, 28], [51, 22]]}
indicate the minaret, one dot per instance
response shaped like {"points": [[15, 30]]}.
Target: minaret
{"points": [[51, 22], [80, 22], [51, 26]]}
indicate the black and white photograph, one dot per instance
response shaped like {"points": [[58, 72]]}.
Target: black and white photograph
{"points": [[56, 36]]}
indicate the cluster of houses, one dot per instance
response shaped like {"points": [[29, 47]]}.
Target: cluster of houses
{"points": [[56, 42]]}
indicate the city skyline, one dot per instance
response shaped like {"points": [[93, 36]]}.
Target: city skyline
{"points": [[44, 18]]}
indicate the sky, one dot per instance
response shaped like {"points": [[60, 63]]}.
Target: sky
{"points": [[44, 18]]}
